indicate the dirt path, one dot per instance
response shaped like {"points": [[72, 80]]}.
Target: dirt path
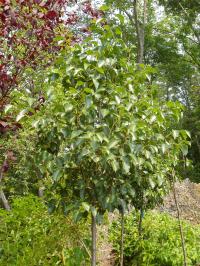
{"points": [[105, 256]]}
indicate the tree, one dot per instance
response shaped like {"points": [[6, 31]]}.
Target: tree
{"points": [[171, 46], [28, 32], [32, 35], [103, 138], [136, 12]]}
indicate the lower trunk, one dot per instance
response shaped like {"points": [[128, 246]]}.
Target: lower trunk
{"points": [[140, 50], [122, 240], [140, 222], [180, 226], [41, 192], [94, 234], [4, 200]]}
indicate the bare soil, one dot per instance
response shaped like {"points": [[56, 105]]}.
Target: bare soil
{"points": [[188, 195]]}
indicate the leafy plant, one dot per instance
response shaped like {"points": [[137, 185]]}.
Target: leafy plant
{"points": [[30, 236], [160, 243], [103, 137]]}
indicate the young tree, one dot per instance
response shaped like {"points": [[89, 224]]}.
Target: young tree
{"points": [[103, 137]]}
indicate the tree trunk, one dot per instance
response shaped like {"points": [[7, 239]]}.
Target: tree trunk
{"points": [[4, 200], [94, 234], [2, 195], [140, 30], [40, 192], [140, 222], [180, 225], [122, 240]]}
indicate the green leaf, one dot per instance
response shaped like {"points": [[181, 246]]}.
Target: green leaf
{"points": [[147, 154], [115, 165], [117, 99], [121, 18], [175, 133], [184, 150], [65, 132], [100, 136], [118, 31], [35, 123], [86, 206], [164, 148], [7, 108], [152, 183], [141, 161], [57, 175], [125, 164], [113, 143], [79, 83], [160, 180], [96, 83], [188, 133], [21, 115], [88, 90], [101, 63], [76, 133], [31, 101], [104, 112], [88, 101], [84, 152], [86, 65], [152, 119], [132, 192], [100, 70], [104, 8], [68, 107]]}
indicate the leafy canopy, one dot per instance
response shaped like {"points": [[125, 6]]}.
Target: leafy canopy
{"points": [[103, 137]]}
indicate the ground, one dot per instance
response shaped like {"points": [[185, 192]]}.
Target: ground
{"points": [[188, 195]]}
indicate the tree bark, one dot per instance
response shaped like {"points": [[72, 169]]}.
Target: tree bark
{"points": [[140, 30], [94, 234], [122, 240], [2, 195], [40, 192], [4, 200], [140, 222], [180, 224]]}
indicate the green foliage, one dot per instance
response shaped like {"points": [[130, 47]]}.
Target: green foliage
{"points": [[104, 139], [172, 46], [160, 243], [30, 236]]}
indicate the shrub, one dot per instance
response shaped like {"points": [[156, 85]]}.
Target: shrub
{"points": [[160, 243], [31, 236]]}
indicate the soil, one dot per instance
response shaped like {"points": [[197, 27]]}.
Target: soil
{"points": [[105, 255], [188, 195]]}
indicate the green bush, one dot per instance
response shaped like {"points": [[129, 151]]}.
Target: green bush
{"points": [[160, 244], [30, 236]]}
